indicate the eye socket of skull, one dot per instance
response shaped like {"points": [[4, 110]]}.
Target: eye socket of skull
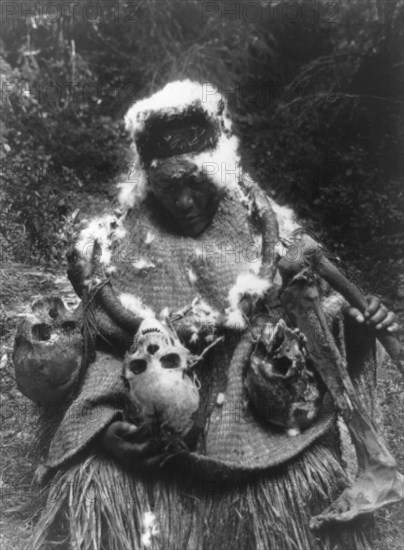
{"points": [[282, 365], [137, 366], [170, 361], [41, 332]]}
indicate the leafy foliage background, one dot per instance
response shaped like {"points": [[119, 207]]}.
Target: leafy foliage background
{"points": [[315, 89]]}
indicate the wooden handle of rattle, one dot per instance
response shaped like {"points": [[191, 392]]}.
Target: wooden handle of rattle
{"points": [[352, 294], [313, 255]]}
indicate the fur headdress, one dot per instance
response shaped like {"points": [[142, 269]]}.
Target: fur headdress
{"points": [[186, 120]]}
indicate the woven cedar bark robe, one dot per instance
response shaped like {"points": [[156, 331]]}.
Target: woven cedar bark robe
{"points": [[167, 270], [246, 485]]}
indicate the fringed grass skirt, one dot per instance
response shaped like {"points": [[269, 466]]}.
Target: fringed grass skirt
{"points": [[98, 505]]}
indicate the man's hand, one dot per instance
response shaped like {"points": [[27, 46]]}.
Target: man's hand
{"points": [[376, 315], [120, 440]]}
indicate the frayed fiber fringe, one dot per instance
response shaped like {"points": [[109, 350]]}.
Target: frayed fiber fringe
{"points": [[97, 505]]}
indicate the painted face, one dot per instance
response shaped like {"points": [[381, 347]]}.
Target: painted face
{"points": [[189, 198]]}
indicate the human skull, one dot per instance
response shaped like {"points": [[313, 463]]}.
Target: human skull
{"points": [[48, 351], [160, 387], [280, 381], [283, 349]]}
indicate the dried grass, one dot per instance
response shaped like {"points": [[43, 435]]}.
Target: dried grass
{"points": [[103, 507]]}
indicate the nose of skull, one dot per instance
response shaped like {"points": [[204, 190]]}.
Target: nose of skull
{"points": [[152, 348]]}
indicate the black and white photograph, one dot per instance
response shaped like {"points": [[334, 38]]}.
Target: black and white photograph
{"points": [[202, 275]]}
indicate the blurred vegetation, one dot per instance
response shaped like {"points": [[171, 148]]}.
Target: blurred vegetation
{"points": [[314, 88]]}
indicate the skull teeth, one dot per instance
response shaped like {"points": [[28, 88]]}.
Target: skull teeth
{"points": [[147, 330]]}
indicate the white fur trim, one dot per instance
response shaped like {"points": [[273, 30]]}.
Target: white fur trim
{"points": [[133, 184], [149, 237], [220, 399], [235, 319], [135, 305], [247, 284], [164, 313], [198, 252], [192, 276], [286, 219], [110, 269], [143, 264], [175, 98], [105, 231]]}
